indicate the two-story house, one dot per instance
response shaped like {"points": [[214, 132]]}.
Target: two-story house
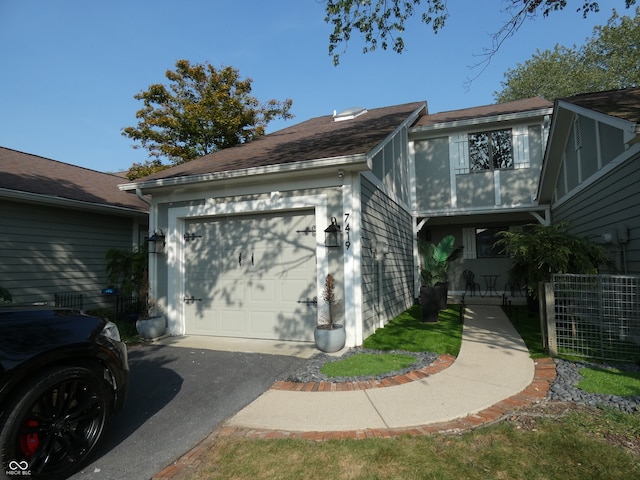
{"points": [[250, 231], [476, 174]]}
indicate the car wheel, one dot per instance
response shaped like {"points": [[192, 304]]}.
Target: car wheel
{"points": [[53, 426]]}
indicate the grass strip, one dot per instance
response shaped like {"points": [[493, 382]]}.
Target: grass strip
{"points": [[610, 381], [364, 364]]}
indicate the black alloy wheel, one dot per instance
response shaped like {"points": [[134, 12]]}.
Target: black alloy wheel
{"points": [[55, 424]]}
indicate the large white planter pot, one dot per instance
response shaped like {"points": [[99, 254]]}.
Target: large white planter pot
{"points": [[151, 328], [330, 340]]}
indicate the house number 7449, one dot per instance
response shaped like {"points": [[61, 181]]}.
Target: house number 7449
{"points": [[347, 229]]}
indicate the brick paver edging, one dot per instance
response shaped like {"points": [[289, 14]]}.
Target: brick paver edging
{"points": [[544, 376], [438, 365]]}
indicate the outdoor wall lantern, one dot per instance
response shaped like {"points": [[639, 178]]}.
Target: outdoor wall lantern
{"points": [[331, 234], [156, 242]]}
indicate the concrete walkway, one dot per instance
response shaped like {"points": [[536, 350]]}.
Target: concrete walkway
{"points": [[492, 376], [493, 364]]}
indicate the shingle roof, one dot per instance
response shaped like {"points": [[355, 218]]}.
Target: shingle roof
{"points": [[24, 172], [317, 138], [623, 104], [506, 108]]}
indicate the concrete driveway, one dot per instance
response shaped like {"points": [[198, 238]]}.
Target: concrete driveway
{"points": [[178, 395]]}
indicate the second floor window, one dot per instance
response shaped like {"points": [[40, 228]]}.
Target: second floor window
{"points": [[490, 150]]}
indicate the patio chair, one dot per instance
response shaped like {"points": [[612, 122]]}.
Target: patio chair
{"points": [[471, 284]]}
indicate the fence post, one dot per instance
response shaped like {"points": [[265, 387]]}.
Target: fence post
{"points": [[550, 315], [543, 314]]}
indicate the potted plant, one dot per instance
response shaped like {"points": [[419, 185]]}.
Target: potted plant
{"points": [[128, 274], [151, 324], [435, 260], [329, 336]]}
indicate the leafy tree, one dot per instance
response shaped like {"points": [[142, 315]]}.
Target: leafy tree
{"points": [[540, 251], [382, 22], [203, 110], [609, 60]]}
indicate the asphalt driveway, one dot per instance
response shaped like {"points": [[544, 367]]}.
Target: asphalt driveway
{"points": [[177, 396]]}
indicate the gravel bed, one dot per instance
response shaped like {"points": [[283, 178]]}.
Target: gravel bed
{"points": [[567, 376], [563, 389], [310, 372]]}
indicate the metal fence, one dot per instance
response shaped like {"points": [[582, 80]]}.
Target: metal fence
{"points": [[69, 300], [596, 316]]}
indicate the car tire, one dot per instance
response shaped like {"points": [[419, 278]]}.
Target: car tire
{"points": [[54, 423]]}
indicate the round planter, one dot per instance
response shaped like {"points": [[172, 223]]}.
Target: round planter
{"points": [[330, 340], [150, 328]]}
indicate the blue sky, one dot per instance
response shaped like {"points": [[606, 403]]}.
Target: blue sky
{"points": [[70, 68]]}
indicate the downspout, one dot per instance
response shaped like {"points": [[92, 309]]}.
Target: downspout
{"points": [[382, 250], [141, 197]]}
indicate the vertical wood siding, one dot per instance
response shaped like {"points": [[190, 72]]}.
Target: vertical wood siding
{"points": [[46, 251], [610, 203], [385, 222]]}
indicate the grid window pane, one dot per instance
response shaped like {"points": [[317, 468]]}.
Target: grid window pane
{"points": [[479, 152], [490, 150], [501, 149]]}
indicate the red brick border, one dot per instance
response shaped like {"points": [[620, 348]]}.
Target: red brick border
{"points": [[544, 376], [438, 365]]}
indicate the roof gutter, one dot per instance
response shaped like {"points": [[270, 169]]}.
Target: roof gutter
{"points": [[67, 203], [355, 162]]}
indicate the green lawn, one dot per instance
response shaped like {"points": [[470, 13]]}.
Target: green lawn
{"points": [[578, 446], [365, 364], [407, 332], [610, 381]]}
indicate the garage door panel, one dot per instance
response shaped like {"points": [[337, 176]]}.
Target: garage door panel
{"points": [[232, 322], [229, 293], [251, 272], [262, 323], [263, 291]]}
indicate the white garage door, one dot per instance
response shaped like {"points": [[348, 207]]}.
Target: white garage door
{"points": [[251, 276]]}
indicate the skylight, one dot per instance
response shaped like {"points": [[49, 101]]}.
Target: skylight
{"points": [[349, 114]]}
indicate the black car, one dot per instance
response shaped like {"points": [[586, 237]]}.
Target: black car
{"points": [[62, 374]]}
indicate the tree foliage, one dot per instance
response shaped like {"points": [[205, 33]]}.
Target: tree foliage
{"points": [[202, 110], [609, 60], [539, 251], [382, 22]]}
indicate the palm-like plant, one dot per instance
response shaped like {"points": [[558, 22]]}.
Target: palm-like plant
{"points": [[435, 260]]}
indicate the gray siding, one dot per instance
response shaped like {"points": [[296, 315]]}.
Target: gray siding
{"points": [[434, 159], [433, 179], [475, 190], [391, 166], [610, 203], [385, 222], [46, 250]]}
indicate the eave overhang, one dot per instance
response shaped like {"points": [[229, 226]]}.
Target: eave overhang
{"points": [[468, 123], [361, 162], [49, 200]]}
